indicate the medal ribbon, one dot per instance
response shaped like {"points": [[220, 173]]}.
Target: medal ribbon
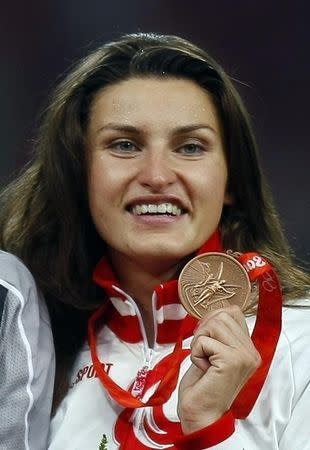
{"points": [[266, 331], [265, 337], [169, 381]]}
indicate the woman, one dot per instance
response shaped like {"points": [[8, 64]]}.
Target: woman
{"points": [[145, 159]]}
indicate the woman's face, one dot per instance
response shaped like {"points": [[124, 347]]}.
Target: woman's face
{"points": [[157, 170]]}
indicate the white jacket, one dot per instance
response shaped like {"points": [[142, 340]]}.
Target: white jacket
{"points": [[27, 359], [279, 419]]}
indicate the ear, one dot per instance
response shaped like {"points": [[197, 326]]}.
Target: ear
{"points": [[229, 198]]}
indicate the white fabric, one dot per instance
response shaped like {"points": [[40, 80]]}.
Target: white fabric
{"points": [[279, 419], [27, 359]]}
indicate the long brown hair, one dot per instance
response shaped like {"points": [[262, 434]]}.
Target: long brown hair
{"points": [[45, 218]]}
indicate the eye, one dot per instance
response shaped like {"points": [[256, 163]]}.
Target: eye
{"points": [[124, 147], [191, 149]]}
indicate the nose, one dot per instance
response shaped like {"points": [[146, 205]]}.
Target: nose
{"points": [[156, 171]]}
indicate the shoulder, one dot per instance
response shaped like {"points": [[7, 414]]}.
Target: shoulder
{"points": [[18, 289], [13, 273], [296, 320], [292, 355], [296, 328], [21, 302], [26, 358], [294, 348]]}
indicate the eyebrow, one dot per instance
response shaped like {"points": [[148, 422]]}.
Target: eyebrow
{"points": [[177, 130]]}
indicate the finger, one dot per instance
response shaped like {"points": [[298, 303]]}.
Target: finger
{"points": [[231, 344], [232, 310], [225, 329], [222, 357], [203, 349], [192, 376]]}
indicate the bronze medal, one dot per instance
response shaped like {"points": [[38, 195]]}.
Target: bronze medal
{"points": [[211, 281]]}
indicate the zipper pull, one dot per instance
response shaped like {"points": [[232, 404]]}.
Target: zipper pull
{"points": [[139, 383]]}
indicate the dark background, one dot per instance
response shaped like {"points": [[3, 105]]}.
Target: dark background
{"points": [[264, 44]]}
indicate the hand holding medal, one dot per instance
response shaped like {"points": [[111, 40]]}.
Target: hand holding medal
{"points": [[222, 352], [215, 288]]}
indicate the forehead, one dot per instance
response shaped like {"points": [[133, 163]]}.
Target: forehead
{"points": [[160, 100]]}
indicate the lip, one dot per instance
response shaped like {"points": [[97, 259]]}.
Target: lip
{"points": [[156, 220], [157, 199]]}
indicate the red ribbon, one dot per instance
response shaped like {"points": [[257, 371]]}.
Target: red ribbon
{"points": [[266, 331], [265, 337], [169, 381]]}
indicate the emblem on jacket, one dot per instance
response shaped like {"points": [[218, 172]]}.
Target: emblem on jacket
{"points": [[150, 427], [103, 443]]}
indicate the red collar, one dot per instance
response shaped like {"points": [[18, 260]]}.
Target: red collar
{"points": [[265, 335], [121, 315]]}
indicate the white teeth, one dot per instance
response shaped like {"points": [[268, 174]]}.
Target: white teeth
{"points": [[161, 208], [152, 209]]}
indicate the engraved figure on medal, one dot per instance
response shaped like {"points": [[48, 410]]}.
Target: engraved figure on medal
{"points": [[212, 281]]}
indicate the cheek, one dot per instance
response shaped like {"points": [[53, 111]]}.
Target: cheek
{"points": [[98, 192], [210, 187], [101, 180], [100, 205]]}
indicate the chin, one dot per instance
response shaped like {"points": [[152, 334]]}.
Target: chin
{"points": [[164, 252]]}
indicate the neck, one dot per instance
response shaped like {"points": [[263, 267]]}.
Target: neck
{"points": [[139, 279]]}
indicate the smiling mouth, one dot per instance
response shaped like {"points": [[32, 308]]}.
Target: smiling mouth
{"points": [[168, 209]]}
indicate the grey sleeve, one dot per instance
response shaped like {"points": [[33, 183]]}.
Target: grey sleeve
{"points": [[27, 360]]}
